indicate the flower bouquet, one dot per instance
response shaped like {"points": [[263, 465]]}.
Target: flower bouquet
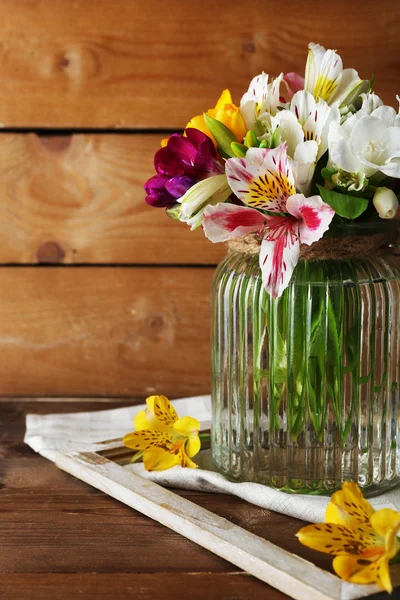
{"points": [[302, 181]]}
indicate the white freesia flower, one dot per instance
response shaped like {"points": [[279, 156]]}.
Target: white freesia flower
{"points": [[327, 80], [208, 191], [397, 119], [369, 103], [261, 100], [386, 203], [369, 144]]}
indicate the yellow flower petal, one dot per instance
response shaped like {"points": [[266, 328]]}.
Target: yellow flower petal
{"points": [[238, 126], [348, 506], [162, 409], [384, 580], [199, 123], [225, 98], [158, 459], [147, 438], [186, 425], [358, 570], [332, 539], [193, 445], [186, 461], [386, 522], [145, 419]]}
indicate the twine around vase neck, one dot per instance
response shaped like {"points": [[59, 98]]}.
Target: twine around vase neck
{"points": [[329, 247]]}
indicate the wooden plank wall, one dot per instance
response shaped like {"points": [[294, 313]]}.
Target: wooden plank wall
{"points": [[100, 295]]}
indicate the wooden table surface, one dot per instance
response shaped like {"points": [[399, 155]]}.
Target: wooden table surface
{"points": [[61, 539]]}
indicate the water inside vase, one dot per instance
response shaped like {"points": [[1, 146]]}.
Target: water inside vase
{"points": [[306, 387]]}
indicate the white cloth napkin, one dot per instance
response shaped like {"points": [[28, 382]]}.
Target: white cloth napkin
{"points": [[50, 434]]}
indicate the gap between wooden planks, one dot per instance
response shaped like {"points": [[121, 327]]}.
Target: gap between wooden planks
{"points": [[105, 331], [95, 63], [79, 198]]}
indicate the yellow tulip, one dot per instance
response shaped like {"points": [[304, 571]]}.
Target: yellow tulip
{"points": [[362, 539], [161, 438], [227, 113]]}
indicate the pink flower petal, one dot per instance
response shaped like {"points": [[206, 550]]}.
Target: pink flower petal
{"points": [[314, 216], [279, 254], [294, 83], [224, 222], [263, 179]]}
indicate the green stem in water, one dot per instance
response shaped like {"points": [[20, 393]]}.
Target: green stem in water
{"points": [[205, 439], [395, 559]]}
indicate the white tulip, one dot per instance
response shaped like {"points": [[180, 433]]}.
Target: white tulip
{"points": [[386, 203]]}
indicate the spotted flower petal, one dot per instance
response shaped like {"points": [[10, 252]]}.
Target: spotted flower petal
{"points": [[356, 569], [362, 539], [334, 539], [348, 505], [159, 411], [161, 438], [263, 179], [147, 438]]}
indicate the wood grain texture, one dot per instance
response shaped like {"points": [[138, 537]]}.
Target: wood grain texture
{"points": [[128, 63], [56, 530], [138, 586], [80, 199], [98, 331]]}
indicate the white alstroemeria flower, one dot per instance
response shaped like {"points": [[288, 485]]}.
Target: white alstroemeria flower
{"points": [[260, 99], [327, 80], [212, 190], [304, 127], [370, 144]]}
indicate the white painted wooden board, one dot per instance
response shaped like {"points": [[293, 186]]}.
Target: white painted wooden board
{"points": [[287, 572]]}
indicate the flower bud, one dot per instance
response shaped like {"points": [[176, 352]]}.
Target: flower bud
{"points": [[386, 203]]}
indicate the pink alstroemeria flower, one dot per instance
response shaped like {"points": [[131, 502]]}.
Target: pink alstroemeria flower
{"points": [[264, 180], [294, 83]]}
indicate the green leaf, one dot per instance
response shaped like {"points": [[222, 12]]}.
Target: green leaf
{"points": [[239, 149], [371, 83], [264, 144], [276, 138], [222, 135], [327, 173], [251, 140], [344, 205]]}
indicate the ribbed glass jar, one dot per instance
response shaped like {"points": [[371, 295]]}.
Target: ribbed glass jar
{"points": [[306, 387]]}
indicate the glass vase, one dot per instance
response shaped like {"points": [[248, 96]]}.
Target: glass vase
{"points": [[306, 386]]}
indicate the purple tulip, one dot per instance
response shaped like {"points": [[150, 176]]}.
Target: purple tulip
{"points": [[184, 161]]}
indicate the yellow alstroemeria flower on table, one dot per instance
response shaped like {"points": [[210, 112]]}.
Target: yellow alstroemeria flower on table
{"points": [[161, 438], [227, 113], [363, 540]]}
